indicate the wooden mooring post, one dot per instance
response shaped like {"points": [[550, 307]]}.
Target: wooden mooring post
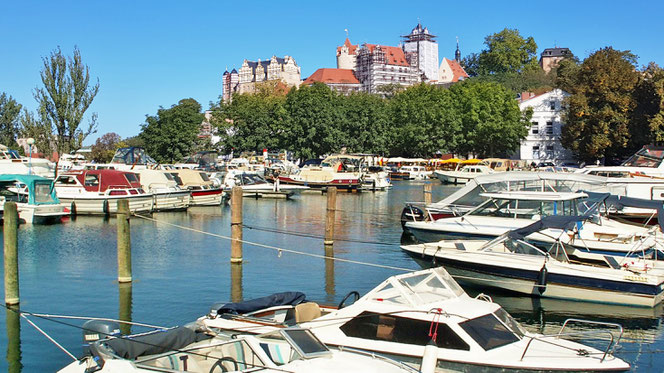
{"points": [[125, 306], [10, 235], [330, 216], [427, 193], [124, 241], [236, 225]]}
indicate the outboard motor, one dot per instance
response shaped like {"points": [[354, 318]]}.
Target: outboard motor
{"points": [[411, 213], [95, 330]]}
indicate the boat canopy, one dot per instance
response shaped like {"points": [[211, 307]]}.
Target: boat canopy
{"points": [[102, 179], [417, 288], [132, 156], [471, 161], [40, 189], [292, 298], [535, 196]]}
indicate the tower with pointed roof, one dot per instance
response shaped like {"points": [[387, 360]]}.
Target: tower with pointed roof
{"points": [[423, 47], [347, 56], [457, 53]]}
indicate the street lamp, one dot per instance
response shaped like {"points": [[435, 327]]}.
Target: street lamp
{"points": [[30, 142]]}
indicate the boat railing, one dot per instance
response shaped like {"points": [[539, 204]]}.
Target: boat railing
{"points": [[610, 348]]}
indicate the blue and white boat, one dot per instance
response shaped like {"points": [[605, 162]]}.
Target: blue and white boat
{"points": [[511, 263], [35, 198]]}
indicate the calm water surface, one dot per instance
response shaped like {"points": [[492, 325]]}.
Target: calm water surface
{"points": [[71, 269]]}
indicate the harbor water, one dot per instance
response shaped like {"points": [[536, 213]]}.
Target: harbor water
{"points": [[71, 269]]}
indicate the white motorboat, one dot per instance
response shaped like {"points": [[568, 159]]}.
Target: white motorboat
{"points": [[35, 198], [376, 178], [185, 349], [414, 172], [168, 196], [202, 189], [406, 312], [12, 163], [463, 175], [510, 262], [505, 211], [97, 191], [254, 185], [340, 171]]}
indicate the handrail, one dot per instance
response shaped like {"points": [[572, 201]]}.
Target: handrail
{"points": [[610, 347]]}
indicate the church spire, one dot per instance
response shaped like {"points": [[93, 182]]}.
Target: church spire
{"points": [[457, 53]]}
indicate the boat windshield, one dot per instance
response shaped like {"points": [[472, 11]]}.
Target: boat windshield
{"points": [[419, 288], [302, 342], [646, 157], [44, 192], [249, 179], [525, 209], [489, 332]]}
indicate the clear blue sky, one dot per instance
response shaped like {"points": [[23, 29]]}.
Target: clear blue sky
{"points": [[148, 54]]}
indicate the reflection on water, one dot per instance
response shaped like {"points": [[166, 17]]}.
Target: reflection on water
{"points": [[71, 269], [13, 340], [124, 314]]}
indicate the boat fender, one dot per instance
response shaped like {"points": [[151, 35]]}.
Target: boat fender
{"points": [[541, 279], [430, 358], [72, 210], [105, 207]]}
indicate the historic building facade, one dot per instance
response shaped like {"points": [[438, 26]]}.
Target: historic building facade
{"points": [[380, 65], [551, 56], [251, 73], [543, 140], [340, 80], [450, 71], [423, 47]]}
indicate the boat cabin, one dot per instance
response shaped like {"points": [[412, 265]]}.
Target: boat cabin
{"points": [[108, 182], [191, 179], [530, 205], [30, 189]]}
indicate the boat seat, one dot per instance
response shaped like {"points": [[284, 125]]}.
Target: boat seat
{"points": [[279, 353], [306, 312]]}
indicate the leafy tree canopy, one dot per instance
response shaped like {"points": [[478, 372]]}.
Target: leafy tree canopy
{"points": [[172, 134], [9, 120], [597, 118], [66, 96], [508, 53], [105, 146]]}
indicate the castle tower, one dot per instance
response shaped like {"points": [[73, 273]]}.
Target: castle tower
{"points": [[457, 53], [347, 56], [424, 46]]}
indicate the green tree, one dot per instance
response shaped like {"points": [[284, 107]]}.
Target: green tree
{"points": [[597, 117], [104, 148], [10, 111], [315, 116], [491, 122], [471, 64], [64, 99], [366, 123], [508, 53], [252, 122], [172, 134], [39, 129], [423, 121], [647, 124]]}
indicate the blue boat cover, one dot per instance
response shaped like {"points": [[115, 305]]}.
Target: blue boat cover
{"points": [[554, 221], [131, 347], [619, 202], [277, 299]]}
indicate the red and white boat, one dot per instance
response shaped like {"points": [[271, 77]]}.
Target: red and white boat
{"points": [[97, 191], [202, 189], [341, 171]]}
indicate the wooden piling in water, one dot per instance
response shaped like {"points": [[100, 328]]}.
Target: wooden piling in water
{"points": [[236, 225], [236, 282], [427, 193], [10, 235], [329, 218], [124, 241]]}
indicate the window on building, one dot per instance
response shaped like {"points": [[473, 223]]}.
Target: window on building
{"points": [[536, 150], [552, 105], [549, 148], [535, 127], [549, 128]]}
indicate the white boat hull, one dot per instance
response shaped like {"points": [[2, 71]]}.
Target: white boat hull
{"points": [[171, 201], [81, 205], [206, 197]]}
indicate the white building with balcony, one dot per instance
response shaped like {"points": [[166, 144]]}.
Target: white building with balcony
{"points": [[543, 141]]}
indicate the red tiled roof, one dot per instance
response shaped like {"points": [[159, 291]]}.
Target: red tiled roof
{"points": [[352, 49], [457, 71], [393, 55], [332, 76]]}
